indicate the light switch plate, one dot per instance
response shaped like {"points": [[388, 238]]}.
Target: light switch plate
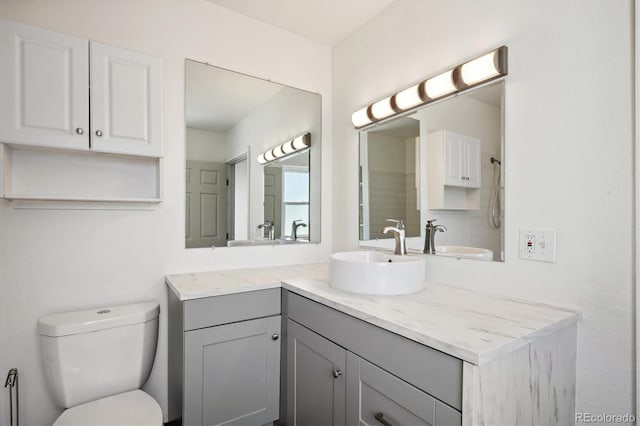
{"points": [[538, 244]]}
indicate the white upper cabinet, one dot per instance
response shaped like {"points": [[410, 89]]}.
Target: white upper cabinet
{"points": [[454, 173], [461, 159], [125, 101], [47, 79], [44, 87]]}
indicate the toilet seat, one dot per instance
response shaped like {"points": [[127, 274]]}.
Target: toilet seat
{"points": [[133, 408]]}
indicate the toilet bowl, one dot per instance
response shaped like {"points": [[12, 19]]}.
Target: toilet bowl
{"points": [[96, 360]]}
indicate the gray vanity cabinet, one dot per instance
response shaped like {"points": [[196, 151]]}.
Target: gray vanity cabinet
{"points": [[316, 381], [390, 380], [224, 359], [375, 396]]}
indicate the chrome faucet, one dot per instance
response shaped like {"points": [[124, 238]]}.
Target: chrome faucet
{"points": [[429, 236], [294, 228], [398, 234], [268, 225]]}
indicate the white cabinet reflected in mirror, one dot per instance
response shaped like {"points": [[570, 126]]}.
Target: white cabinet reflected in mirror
{"points": [[231, 198], [442, 162]]}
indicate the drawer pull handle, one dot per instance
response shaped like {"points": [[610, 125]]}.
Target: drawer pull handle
{"points": [[337, 373], [380, 417], [79, 130], [274, 336]]}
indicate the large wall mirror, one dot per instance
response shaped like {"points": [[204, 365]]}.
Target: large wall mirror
{"points": [[231, 198], [442, 162]]}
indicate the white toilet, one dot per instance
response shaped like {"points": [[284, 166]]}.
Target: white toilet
{"points": [[96, 361]]}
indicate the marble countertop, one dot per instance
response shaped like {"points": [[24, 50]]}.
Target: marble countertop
{"points": [[473, 326]]}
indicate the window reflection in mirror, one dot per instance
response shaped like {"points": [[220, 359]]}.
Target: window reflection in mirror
{"points": [[436, 164], [230, 119]]}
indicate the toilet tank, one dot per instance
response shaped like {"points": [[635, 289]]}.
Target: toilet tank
{"points": [[95, 353]]}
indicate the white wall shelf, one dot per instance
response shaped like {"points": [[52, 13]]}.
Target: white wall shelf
{"points": [[48, 175]]}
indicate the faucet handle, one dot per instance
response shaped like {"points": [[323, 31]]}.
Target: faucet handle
{"points": [[430, 221], [399, 223]]}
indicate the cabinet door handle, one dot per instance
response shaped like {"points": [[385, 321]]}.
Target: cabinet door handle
{"points": [[99, 133], [337, 373], [380, 417], [274, 336], [79, 130]]}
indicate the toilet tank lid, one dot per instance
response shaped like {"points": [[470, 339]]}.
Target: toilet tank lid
{"points": [[67, 323]]}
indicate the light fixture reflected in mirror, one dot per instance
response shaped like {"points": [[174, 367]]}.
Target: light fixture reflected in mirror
{"points": [[286, 149], [482, 69]]}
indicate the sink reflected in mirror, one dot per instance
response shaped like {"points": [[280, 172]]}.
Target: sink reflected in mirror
{"points": [[376, 273], [462, 252], [244, 243]]}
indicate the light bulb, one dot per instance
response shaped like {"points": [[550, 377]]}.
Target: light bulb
{"points": [[277, 151], [480, 69], [288, 148], [409, 98], [382, 109], [268, 155], [299, 143], [360, 118], [440, 85], [261, 159]]}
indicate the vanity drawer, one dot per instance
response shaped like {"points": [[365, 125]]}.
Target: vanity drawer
{"points": [[379, 397], [430, 370], [217, 310]]}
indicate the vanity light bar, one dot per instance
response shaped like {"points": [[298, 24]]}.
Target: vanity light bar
{"points": [[477, 71], [286, 148]]}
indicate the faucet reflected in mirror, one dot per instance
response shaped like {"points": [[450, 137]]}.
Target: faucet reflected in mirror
{"points": [[268, 226], [294, 228], [429, 236]]}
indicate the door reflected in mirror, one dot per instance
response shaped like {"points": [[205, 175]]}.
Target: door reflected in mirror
{"points": [[442, 163], [232, 199]]}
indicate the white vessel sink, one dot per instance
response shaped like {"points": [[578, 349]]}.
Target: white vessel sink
{"points": [[465, 252], [376, 273]]}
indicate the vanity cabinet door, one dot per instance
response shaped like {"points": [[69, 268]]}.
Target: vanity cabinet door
{"points": [[44, 82], [232, 373], [125, 101], [316, 382], [376, 397]]}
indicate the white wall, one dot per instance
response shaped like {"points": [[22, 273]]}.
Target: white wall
{"points": [[568, 157], [206, 145], [56, 260]]}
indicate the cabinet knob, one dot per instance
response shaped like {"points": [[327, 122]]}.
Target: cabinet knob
{"points": [[337, 373], [275, 336], [98, 133], [79, 130]]}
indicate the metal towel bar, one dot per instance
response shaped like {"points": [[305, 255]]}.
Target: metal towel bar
{"points": [[11, 383]]}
